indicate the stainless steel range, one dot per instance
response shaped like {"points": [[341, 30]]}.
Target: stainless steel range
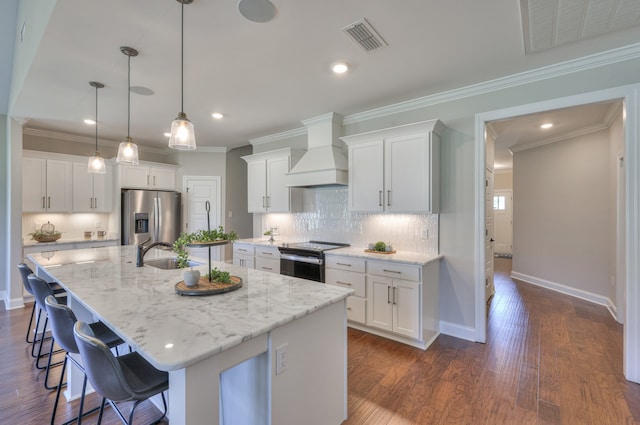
{"points": [[305, 259]]}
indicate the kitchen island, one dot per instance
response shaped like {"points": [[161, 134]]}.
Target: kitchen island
{"points": [[273, 351]]}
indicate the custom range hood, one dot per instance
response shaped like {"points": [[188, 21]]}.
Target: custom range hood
{"points": [[324, 163]]}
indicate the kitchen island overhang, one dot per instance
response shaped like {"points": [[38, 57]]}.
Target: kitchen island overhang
{"points": [[196, 339]]}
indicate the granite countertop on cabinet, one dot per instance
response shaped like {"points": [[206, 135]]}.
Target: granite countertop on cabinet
{"points": [[264, 241], [399, 257], [141, 304], [67, 240]]}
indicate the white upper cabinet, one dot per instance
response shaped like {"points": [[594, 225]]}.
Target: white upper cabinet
{"points": [[395, 169], [46, 185], [92, 192], [266, 185], [148, 176]]}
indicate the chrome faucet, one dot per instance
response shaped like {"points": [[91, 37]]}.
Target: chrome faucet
{"points": [[141, 250]]}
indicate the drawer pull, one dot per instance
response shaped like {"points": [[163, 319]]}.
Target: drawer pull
{"points": [[243, 250], [343, 283], [267, 268], [267, 253], [391, 271], [343, 264]]}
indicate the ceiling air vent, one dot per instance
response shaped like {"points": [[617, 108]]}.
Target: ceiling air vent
{"points": [[363, 34]]}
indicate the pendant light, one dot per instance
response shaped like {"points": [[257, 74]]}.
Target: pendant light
{"points": [[128, 151], [96, 162], [182, 134]]}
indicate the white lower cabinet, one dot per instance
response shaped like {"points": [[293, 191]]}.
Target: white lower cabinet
{"points": [[392, 299], [265, 258], [394, 305]]}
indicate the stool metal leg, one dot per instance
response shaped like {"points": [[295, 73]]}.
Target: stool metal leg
{"points": [[33, 311]]}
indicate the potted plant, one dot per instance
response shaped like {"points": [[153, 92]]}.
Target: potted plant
{"points": [[200, 237]]}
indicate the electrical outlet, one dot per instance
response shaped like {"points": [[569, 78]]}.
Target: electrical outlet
{"points": [[281, 359], [230, 214], [425, 233], [97, 224]]}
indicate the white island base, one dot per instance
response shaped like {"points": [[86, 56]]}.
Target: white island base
{"points": [[241, 385]]}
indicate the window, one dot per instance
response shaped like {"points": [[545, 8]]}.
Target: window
{"points": [[500, 203]]}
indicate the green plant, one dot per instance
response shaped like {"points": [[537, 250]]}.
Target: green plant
{"points": [[200, 236], [219, 276], [379, 246]]}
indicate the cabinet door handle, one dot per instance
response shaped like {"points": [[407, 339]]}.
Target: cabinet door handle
{"points": [[344, 283], [263, 204], [95, 203], [267, 253], [49, 202], [266, 268], [90, 203], [394, 295], [388, 198], [343, 264], [388, 295], [268, 201], [147, 179], [379, 198], [43, 203], [240, 249], [391, 271], [154, 180]]}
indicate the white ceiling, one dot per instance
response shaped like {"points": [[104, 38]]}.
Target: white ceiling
{"points": [[524, 132], [268, 77]]}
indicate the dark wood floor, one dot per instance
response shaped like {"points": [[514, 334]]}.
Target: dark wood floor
{"points": [[549, 359]]}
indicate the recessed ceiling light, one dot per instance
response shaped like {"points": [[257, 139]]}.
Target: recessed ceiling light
{"points": [[546, 125], [167, 134], [90, 122], [340, 67], [217, 115]]}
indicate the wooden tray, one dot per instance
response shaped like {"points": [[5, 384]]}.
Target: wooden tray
{"points": [[204, 287], [372, 251]]}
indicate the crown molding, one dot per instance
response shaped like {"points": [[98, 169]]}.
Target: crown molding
{"points": [[205, 149], [301, 131], [569, 135], [612, 113], [557, 70]]}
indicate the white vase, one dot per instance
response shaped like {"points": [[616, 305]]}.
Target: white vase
{"points": [[191, 277]]}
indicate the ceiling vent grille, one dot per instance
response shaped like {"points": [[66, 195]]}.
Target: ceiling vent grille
{"points": [[363, 34]]}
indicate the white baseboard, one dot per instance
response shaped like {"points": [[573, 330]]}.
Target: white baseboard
{"points": [[567, 290], [458, 331], [13, 303]]}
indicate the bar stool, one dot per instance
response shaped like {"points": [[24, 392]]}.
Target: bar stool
{"points": [[124, 378], [25, 271], [41, 290], [62, 320]]}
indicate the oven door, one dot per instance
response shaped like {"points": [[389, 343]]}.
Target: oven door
{"points": [[311, 268]]}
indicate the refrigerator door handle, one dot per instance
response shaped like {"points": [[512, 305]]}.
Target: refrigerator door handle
{"points": [[158, 218]]}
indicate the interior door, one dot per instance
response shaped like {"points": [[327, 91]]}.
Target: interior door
{"points": [[488, 250], [503, 221], [199, 190]]}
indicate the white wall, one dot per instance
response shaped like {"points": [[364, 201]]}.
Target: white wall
{"points": [[503, 180], [5, 244], [617, 255], [562, 213]]}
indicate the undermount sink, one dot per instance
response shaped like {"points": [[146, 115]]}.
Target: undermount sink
{"points": [[168, 263]]}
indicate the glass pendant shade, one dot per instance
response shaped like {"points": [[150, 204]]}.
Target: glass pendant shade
{"points": [[96, 164], [127, 153], [182, 134]]}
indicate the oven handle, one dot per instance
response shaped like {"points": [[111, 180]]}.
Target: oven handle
{"points": [[309, 260]]}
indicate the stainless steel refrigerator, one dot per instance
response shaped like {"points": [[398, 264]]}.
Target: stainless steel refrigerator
{"points": [[150, 214]]}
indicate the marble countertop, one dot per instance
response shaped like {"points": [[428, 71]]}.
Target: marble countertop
{"points": [[264, 241], [399, 257], [173, 331], [71, 239]]}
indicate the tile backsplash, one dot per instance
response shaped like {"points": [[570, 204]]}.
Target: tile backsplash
{"points": [[326, 217], [71, 225]]}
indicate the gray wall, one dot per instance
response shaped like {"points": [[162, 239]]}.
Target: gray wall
{"points": [[503, 180], [238, 219], [563, 212]]}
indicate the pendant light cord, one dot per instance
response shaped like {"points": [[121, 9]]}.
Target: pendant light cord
{"points": [[182, 60], [96, 118], [129, 99]]}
